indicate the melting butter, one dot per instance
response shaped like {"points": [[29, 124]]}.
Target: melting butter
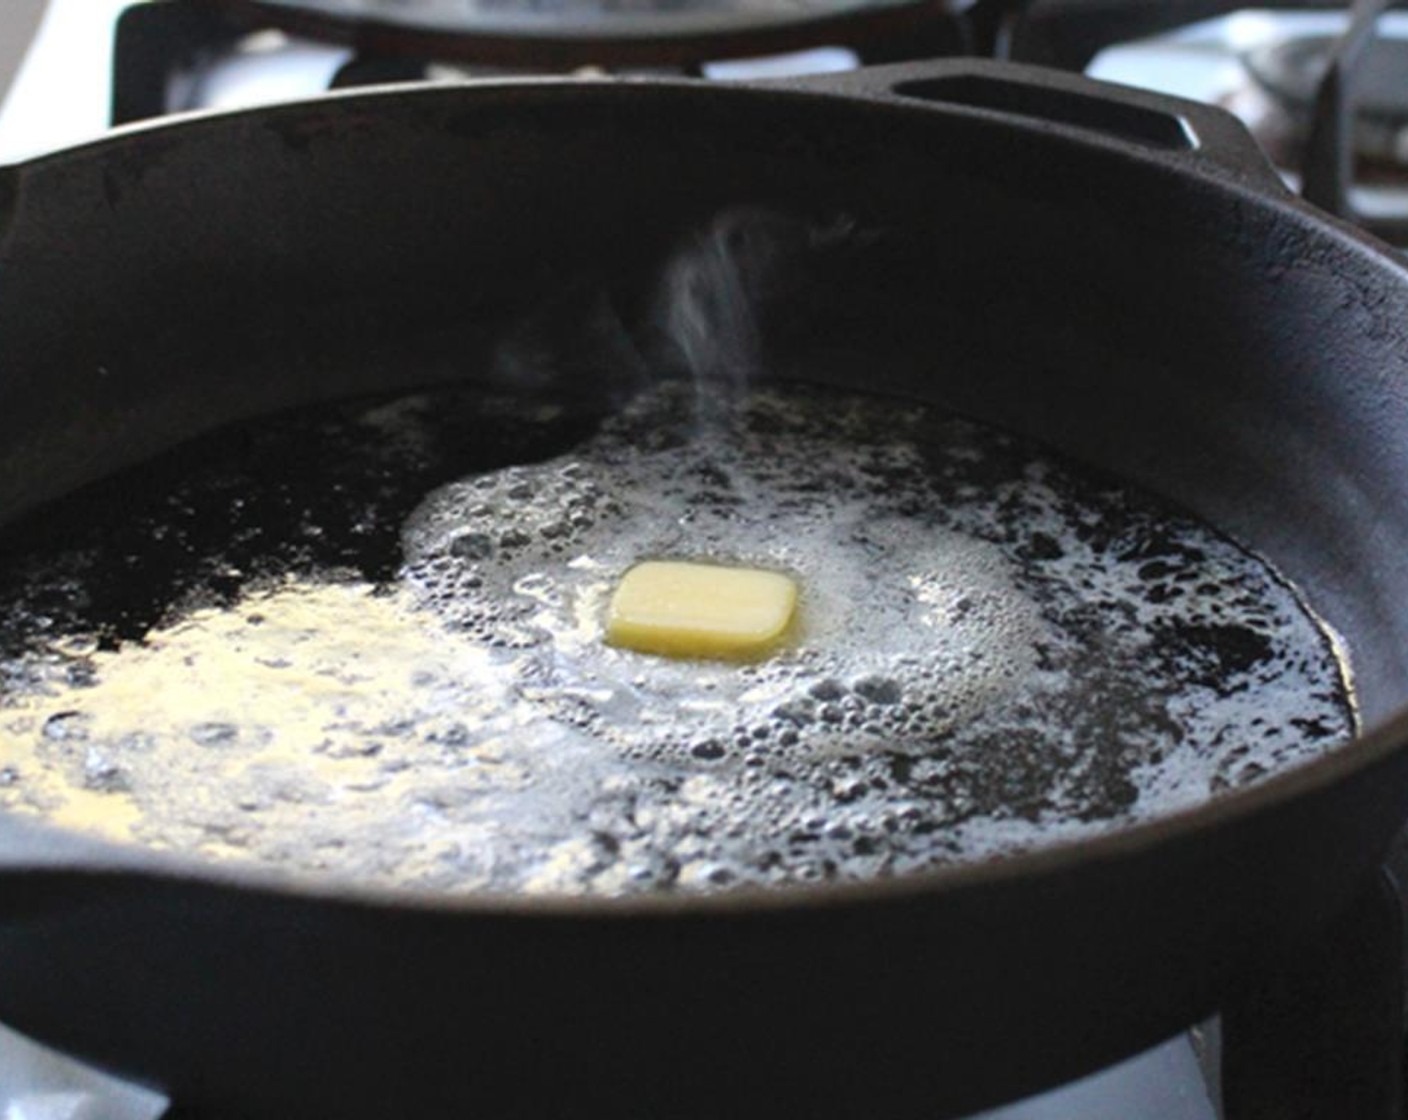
{"points": [[1000, 650], [296, 703], [700, 610]]}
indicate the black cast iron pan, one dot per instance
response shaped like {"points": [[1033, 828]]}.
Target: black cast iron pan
{"points": [[1119, 275]]}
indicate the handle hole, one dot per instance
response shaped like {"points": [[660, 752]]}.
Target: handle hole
{"points": [[1113, 118]]}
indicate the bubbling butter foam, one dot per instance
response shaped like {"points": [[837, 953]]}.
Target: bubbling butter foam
{"points": [[995, 650]]}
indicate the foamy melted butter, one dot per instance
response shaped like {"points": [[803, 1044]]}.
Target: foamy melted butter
{"points": [[994, 651]]}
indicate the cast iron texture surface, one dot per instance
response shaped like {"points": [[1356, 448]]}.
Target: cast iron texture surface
{"points": [[1156, 308]]}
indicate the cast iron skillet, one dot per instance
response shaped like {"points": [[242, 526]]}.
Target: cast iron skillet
{"points": [[1116, 274]]}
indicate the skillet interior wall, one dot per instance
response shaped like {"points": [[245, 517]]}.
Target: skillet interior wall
{"points": [[1187, 336]]}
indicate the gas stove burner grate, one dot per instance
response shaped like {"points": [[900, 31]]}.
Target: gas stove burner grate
{"points": [[1279, 106], [1290, 71]]}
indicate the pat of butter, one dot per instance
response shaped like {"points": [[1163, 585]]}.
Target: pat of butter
{"points": [[700, 610]]}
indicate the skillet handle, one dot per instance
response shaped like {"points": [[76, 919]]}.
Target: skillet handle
{"points": [[1187, 133]]}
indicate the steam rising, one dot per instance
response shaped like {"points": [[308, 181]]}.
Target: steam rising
{"points": [[716, 290], [706, 319]]}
